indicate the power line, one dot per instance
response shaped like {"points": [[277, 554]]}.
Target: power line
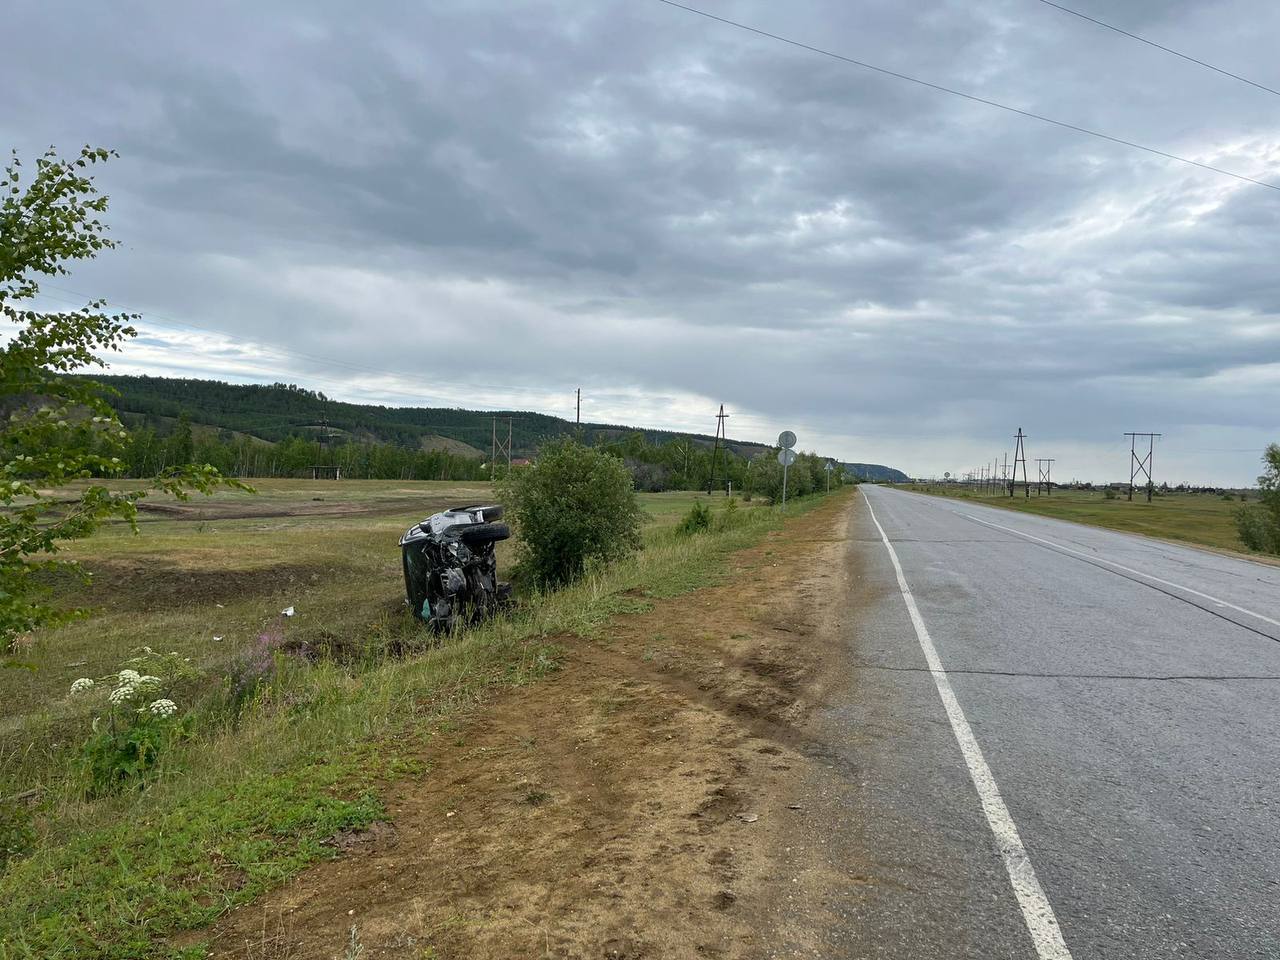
{"points": [[973, 97], [1159, 46]]}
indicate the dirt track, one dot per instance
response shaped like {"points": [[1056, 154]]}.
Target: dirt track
{"points": [[635, 804]]}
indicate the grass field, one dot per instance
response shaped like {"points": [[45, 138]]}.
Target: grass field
{"points": [[253, 796], [1203, 519]]}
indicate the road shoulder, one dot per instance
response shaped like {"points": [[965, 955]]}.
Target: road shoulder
{"points": [[637, 803]]}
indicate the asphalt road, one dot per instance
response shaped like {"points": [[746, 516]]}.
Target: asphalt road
{"points": [[1123, 701]]}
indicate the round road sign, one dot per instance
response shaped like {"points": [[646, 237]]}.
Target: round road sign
{"points": [[786, 456], [786, 439]]}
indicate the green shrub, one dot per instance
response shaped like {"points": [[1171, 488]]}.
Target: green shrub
{"points": [[140, 721], [1109, 493], [729, 516], [573, 506], [1256, 531], [1259, 525], [697, 520]]}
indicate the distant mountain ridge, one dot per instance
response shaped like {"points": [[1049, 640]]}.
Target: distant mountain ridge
{"points": [[875, 472], [279, 411]]}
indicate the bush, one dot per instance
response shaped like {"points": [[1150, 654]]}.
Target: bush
{"points": [[574, 506], [697, 520], [729, 516], [140, 724], [1255, 532], [1109, 493], [1259, 525]]}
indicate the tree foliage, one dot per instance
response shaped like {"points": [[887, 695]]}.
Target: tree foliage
{"points": [[807, 475], [573, 506], [56, 430], [246, 456], [1259, 524]]}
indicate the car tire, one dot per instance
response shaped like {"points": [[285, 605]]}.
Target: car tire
{"points": [[484, 533]]}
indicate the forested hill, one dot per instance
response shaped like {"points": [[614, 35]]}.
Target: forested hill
{"points": [[875, 472], [281, 411]]}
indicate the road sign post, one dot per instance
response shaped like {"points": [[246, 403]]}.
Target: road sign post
{"points": [[786, 457]]}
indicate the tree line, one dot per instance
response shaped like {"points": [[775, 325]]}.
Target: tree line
{"points": [[682, 464], [674, 465], [148, 453]]}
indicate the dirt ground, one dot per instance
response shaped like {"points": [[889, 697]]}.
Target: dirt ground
{"points": [[636, 804], [317, 506]]}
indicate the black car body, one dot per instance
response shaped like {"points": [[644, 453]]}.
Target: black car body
{"points": [[451, 568]]}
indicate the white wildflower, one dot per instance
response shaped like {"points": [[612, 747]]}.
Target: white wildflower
{"points": [[129, 676], [163, 708], [146, 683], [81, 685], [122, 694]]}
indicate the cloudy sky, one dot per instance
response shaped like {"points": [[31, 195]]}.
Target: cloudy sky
{"points": [[491, 204]]}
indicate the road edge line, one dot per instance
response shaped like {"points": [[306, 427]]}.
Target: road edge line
{"points": [[1120, 566], [1041, 922]]}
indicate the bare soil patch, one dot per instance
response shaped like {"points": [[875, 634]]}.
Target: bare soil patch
{"points": [[631, 805], [154, 584], [252, 509]]}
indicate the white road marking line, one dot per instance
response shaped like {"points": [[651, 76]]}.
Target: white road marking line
{"points": [[1036, 911], [1121, 566]]}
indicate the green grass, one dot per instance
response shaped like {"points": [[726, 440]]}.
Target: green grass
{"points": [[1203, 519], [248, 803]]}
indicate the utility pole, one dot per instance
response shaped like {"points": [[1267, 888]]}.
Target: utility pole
{"points": [[1044, 472], [1020, 457], [498, 448], [715, 450], [578, 419], [1141, 465]]}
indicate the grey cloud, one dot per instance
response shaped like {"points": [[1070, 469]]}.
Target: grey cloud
{"points": [[626, 194]]}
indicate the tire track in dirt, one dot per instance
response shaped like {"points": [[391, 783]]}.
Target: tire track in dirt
{"points": [[632, 805]]}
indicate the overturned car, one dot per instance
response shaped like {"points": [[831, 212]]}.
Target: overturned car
{"points": [[450, 568]]}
